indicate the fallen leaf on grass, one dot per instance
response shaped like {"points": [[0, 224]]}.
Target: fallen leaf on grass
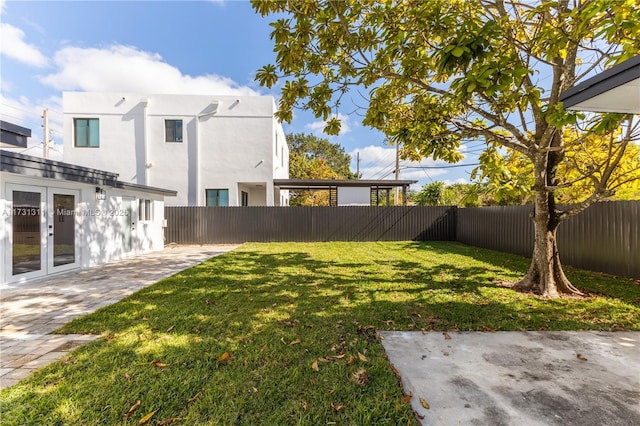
{"points": [[424, 403], [133, 408], [361, 377], [210, 302], [146, 418], [169, 329], [581, 357], [337, 407], [331, 358], [446, 336], [127, 376], [362, 357], [407, 398], [57, 382], [225, 357], [194, 397], [159, 364], [305, 406], [295, 342], [314, 366]]}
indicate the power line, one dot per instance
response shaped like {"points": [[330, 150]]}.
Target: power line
{"points": [[441, 167]]}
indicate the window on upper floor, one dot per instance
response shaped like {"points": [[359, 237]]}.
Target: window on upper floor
{"points": [[173, 130], [217, 197], [86, 132]]}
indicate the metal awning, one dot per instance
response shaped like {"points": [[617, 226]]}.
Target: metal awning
{"points": [[332, 185], [614, 90]]}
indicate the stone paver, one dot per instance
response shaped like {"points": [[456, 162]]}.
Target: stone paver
{"points": [[30, 312]]}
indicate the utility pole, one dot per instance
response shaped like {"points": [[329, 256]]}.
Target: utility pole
{"points": [[45, 136], [396, 197], [358, 165]]}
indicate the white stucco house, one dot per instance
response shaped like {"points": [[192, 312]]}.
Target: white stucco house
{"points": [[57, 217], [212, 150]]}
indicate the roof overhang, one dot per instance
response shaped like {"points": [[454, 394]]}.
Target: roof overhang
{"points": [[318, 184], [12, 135], [27, 165], [614, 90]]}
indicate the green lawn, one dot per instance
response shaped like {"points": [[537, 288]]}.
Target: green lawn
{"points": [[285, 334]]}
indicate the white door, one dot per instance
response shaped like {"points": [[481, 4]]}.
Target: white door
{"points": [[27, 256], [62, 225], [127, 224]]}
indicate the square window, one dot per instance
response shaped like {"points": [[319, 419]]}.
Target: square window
{"points": [[86, 132], [173, 130], [217, 197]]}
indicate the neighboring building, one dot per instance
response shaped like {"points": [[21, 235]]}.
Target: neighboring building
{"points": [[57, 217], [350, 192], [13, 136], [212, 150]]}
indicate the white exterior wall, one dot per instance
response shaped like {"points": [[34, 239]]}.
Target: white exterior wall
{"points": [[98, 223], [354, 196], [229, 142]]}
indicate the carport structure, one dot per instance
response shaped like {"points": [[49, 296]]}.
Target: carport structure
{"points": [[349, 191]]}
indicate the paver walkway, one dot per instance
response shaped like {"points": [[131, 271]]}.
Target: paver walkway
{"points": [[30, 312]]}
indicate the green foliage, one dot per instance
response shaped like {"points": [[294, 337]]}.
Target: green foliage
{"points": [[278, 308], [311, 157], [437, 72], [439, 194]]}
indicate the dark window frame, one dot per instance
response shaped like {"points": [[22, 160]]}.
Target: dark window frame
{"points": [[87, 142], [171, 129], [217, 198]]}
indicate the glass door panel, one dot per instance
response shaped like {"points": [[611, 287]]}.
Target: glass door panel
{"points": [[27, 235], [62, 253], [64, 232]]}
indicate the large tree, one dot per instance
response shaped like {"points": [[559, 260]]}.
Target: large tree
{"points": [[311, 157], [437, 72]]}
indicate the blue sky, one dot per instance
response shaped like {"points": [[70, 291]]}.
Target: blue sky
{"points": [[215, 47]]}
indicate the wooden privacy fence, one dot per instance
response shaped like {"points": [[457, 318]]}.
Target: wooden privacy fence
{"points": [[604, 238]]}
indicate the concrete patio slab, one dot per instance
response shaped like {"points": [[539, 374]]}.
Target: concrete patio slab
{"points": [[30, 312], [519, 378]]}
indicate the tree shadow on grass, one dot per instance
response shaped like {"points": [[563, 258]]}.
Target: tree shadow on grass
{"points": [[277, 310]]}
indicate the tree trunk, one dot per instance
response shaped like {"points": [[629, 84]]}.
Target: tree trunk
{"points": [[545, 276]]}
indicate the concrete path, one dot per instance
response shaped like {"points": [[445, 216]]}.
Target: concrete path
{"points": [[519, 378], [30, 312]]}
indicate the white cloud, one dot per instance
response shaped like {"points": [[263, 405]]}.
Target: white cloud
{"points": [[317, 126], [13, 46], [128, 69], [452, 182]]}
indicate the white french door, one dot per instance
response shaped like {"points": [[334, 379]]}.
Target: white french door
{"points": [[44, 230]]}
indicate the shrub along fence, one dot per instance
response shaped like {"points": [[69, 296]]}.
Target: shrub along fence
{"points": [[604, 238]]}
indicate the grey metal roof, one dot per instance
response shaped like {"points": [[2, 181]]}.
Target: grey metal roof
{"points": [[12, 135], [28, 165]]}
